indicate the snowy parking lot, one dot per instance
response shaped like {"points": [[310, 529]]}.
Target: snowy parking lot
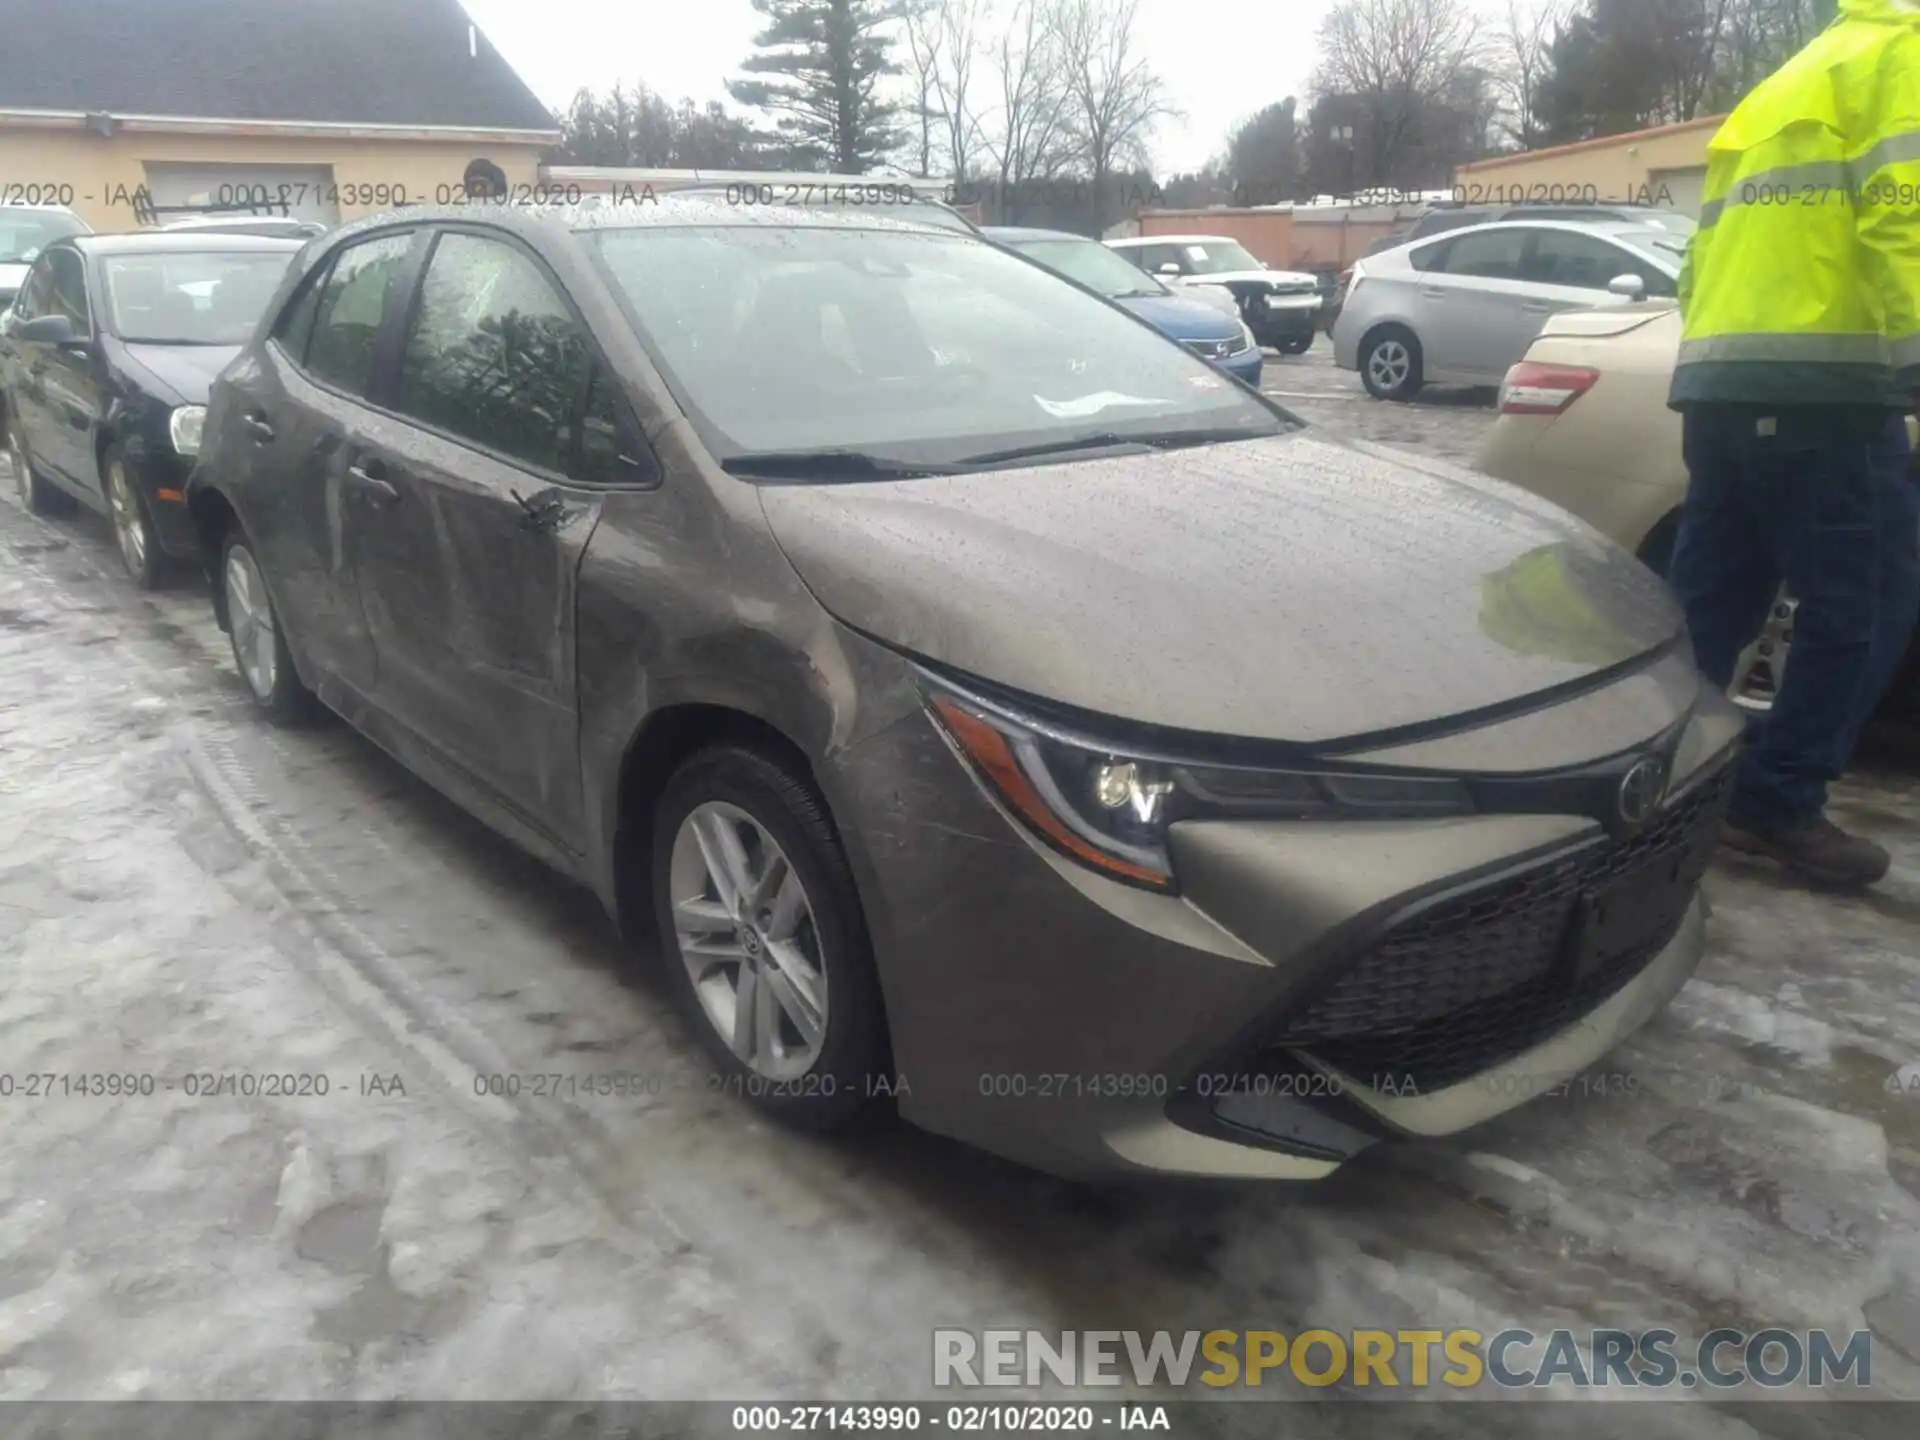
{"points": [[304, 970]]}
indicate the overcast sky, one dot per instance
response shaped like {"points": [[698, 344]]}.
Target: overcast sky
{"points": [[1221, 60]]}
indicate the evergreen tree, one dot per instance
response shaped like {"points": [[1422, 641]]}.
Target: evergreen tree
{"points": [[818, 72]]}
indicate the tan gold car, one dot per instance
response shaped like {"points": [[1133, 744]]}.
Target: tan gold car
{"points": [[1584, 423]]}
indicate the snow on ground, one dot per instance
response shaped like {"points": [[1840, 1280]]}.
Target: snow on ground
{"points": [[187, 892]]}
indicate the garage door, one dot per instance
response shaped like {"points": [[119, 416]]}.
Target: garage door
{"points": [[1678, 189], [302, 191]]}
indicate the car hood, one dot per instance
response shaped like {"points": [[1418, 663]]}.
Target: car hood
{"points": [[1294, 588], [187, 370], [1183, 319]]}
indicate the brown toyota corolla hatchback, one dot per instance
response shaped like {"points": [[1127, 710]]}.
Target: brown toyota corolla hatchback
{"points": [[983, 700]]}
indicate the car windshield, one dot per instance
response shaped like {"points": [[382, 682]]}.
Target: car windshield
{"points": [[191, 298], [25, 233], [909, 345], [1094, 266], [1217, 257]]}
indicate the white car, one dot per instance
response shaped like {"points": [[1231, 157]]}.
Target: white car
{"points": [[1281, 307], [26, 230], [1462, 306]]}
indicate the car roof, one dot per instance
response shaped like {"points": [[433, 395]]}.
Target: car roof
{"points": [[178, 242], [674, 209], [1586, 227], [1132, 241], [213, 222], [1028, 232], [48, 209]]}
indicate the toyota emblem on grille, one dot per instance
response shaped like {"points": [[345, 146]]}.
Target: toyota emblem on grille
{"points": [[1641, 789]]}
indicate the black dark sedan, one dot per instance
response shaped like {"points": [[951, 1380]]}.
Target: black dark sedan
{"points": [[105, 364]]}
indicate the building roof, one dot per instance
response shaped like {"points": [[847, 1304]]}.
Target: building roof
{"points": [[411, 63], [1603, 142]]}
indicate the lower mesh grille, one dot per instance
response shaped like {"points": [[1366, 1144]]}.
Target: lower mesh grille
{"points": [[1482, 976]]}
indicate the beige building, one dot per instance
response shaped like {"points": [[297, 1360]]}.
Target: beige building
{"points": [[1664, 166], [132, 112]]}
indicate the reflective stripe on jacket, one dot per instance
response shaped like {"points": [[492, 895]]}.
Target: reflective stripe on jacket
{"points": [[1802, 285]]}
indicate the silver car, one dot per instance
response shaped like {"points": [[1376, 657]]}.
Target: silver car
{"points": [[1462, 307]]}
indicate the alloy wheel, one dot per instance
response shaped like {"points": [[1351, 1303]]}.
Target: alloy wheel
{"points": [[250, 621], [1389, 364], [129, 524], [747, 935]]}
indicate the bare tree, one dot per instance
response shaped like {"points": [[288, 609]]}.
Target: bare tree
{"points": [[1394, 66], [962, 28], [1523, 46], [1030, 139], [1116, 97], [923, 35]]}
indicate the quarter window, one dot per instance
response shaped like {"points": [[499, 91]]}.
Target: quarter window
{"points": [[601, 434], [33, 299], [351, 303], [495, 357], [1561, 257], [1486, 254], [68, 294], [296, 324]]}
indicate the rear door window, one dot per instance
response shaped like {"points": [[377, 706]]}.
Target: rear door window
{"points": [[351, 304], [1486, 254]]}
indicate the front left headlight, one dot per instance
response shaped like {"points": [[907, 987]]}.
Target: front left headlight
{"points": [[1110, 808], [184, 426]]}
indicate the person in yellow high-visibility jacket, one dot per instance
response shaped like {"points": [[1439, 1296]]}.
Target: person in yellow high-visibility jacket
{"points": [[1799, 358]]}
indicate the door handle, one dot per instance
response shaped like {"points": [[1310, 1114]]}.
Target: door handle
{"points": [[257, 425], [379, 489], [1433, 294], [1539, 307]]}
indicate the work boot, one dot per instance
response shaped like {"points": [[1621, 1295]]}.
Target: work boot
{"points": [[1821, 851]]}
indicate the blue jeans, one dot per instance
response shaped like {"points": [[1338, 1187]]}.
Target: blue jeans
{"points": [[1818, 499]]}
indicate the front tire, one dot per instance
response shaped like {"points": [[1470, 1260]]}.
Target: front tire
{"points": [[764, 938], [1296, 344], [133, 527], [259, 643], [38, 496], [1390, 364]]}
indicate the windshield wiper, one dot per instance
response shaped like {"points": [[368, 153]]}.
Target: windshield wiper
{"points": [[829, 465], [1111, 439]]}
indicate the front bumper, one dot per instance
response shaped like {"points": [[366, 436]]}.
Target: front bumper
{"points": [[1066, 1021], [1285, 317], [1245, 368]]}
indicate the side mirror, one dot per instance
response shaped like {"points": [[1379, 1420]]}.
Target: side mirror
{"points": [[47, 330], [1170, 269], [1631, 286]]}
